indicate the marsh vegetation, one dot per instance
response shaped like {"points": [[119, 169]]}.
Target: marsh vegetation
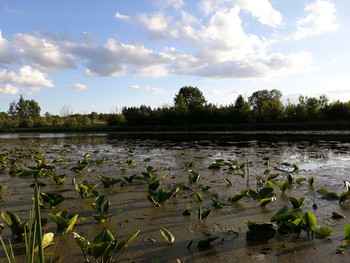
{"points": [[151, 200]]}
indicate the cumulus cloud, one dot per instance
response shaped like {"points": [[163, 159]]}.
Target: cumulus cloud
{"points": [[79, 86], [9, 89], [27, 77], [43, 54], [214, 46], [263, 11], [6, 56], [321, 18], [147, 88], [121, 17], [116, 59]]}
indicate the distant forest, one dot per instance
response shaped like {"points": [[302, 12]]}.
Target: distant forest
{"points": [[190, 108]]}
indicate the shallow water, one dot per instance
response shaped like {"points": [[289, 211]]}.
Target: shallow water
{"points": [[325, 160]]}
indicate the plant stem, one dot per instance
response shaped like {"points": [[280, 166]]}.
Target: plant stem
{"points": [[38, 224]]}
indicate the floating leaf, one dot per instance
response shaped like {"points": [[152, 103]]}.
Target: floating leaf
{"points": [[300, 180], [337, 215], [215, 166], [167, 235], [198, 196], [217, 203], [272, 176], [227, 182], [205, 242]]}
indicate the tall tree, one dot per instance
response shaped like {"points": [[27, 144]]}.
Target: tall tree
{"points": [[191, 97], [24, 109]]}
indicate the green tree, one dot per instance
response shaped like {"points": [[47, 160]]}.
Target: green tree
{"points": [[190, 97], [25, 111], [266, 104]]}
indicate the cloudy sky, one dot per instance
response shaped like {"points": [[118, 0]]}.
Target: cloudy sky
{"points": [[103, 55]]}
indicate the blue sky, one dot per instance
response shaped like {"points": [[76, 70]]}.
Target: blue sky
{"points": [[104, 55]]}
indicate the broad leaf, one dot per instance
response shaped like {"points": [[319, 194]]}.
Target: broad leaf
{"points": [[167, 235]]}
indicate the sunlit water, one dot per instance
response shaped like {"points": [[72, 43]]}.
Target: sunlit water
{"points": [[327, 160]]}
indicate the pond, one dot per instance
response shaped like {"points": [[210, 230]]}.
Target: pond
{"points": [[243, 161]]}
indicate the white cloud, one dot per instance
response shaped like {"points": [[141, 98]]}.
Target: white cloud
{"points": [[156, 22], [121, 17], [263, 11], [6, 56], [116, 59], [176, 4], [321, 18], [43, 54], [79, 86], [9, 89], [26, 77], [147, 88], [153, 90]]}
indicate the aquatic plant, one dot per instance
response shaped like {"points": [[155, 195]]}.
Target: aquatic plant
{"points": [[205, 242], [51, 199], [86, 190], [107, 181], [65, 221], [59, 179], [104, 245], [297, 203]]}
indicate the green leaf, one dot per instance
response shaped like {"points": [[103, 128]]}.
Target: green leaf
{"points": [[10, 218], [311, 181], [227, 182], [266, 192], [283, 186], [71, 223], [344, 196], [347, 231], [254, 195], [215, 166], [205, 242], [167, 235], [217, 203], [271, 184], [265, 201], [300, 180], [323, 232], [272, 176], [310, 220], [47, 240], [198, 196], [297, 203], [204, 214], [124, 243]]}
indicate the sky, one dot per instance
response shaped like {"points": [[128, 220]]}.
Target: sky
{"points": [[104, 55]]}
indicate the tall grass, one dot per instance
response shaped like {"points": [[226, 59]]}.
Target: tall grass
{"points": [[32, 234]]}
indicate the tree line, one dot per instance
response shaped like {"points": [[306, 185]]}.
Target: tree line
{"points": [[190, 108]]}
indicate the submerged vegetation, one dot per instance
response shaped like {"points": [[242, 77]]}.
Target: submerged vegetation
{"points": [[181, 195], [263, 109]]}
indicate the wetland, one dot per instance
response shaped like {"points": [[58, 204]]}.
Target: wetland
{"points": [[200, 188]]}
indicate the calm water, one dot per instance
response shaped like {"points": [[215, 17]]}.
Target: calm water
{"points": [[322, 155]]}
